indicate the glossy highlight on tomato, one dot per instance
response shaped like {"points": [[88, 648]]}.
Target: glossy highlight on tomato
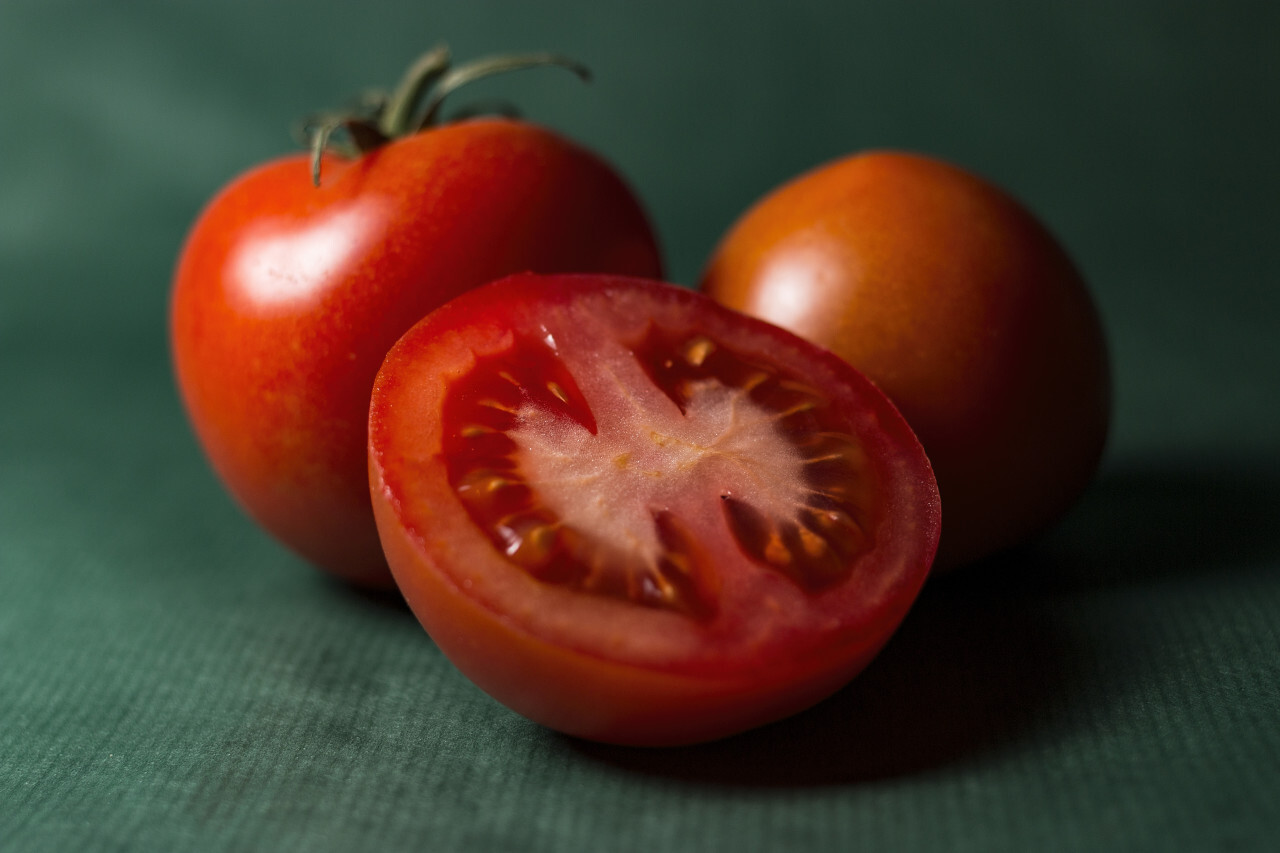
{"points": [[635, 516], [287, 295], [961, 306]]}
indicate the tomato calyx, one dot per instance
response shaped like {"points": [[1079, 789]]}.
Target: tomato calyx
{"points": [[415, 105]]}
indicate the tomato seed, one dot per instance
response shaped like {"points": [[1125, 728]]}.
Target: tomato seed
{"points": [[697, 350]]}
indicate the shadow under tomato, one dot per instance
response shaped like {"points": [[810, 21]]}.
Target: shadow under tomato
{"points": [[1139, 524], [384, 599], [989, 655], [962, 676]]}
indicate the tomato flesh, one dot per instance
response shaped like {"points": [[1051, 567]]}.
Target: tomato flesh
{"points": [[635, 516]]}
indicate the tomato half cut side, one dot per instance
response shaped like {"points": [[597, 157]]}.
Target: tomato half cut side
{"points": [[638, 517]]}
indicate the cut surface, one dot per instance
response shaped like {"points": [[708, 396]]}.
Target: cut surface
{"points": [[582, 478]]}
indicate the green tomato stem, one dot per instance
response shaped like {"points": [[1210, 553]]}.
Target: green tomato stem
{"points": [[458, 77], [424, 73], [384, 117]]}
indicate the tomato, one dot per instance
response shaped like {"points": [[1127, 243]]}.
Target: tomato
{"points": [[635, 516], [961, 306], [287, 296]]}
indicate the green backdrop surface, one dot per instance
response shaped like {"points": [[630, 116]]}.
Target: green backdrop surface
{"points": [[172, 679]]}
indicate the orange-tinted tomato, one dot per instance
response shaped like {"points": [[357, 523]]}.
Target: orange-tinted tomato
{"points": [[961, 306], [635, 516]]}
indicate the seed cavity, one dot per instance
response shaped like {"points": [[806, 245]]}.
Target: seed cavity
{"points": [[582, 480], [755, 380], [497, 405]]}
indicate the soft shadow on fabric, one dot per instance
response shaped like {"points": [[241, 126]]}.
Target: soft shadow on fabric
{"points": [[389, 600], [988, 656], [1139, 524], [962, 676]]}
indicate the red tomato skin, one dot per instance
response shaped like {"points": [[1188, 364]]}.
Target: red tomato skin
{"points": [[586, 690], [961, 306], [287, 296]]}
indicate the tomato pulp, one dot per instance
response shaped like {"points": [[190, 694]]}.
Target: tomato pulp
{"points": [[635, 516], [955, 300], [287, 296]]}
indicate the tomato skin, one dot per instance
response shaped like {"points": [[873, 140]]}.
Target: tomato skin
{"points": [[593, 667], [961, 306], [287, 296]]}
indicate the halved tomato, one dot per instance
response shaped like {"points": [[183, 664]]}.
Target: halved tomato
{"points": [[636, 516]]}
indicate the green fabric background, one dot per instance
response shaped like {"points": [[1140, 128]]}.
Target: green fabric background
{"points": [[171, 679]]}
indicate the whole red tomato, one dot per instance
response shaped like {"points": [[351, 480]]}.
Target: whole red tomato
{"points": [[287, 295], [636, 516], [958, 303]]}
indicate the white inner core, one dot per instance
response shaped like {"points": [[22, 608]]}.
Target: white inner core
{"points": [[648, 456]]}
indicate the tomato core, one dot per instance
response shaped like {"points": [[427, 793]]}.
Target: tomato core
{"points": [[570, 497]]}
